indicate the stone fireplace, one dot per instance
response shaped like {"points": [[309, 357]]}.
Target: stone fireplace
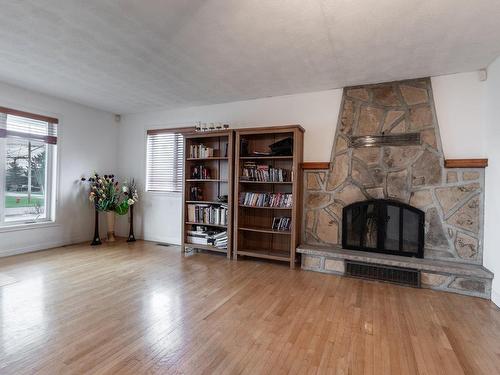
{"points": [[367, 165]]}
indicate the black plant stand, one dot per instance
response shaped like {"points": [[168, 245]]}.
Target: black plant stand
{"points": [[131, 237], [97, 240]]}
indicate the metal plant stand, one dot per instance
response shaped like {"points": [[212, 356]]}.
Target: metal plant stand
{"points": [[131, 237], [97, 240]]}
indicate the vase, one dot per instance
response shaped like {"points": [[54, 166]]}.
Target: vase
{"points": [[110, 219], [131, 237], [97, 240]]}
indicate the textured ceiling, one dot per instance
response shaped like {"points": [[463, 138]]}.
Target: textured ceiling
{"points": [[131, 56]]}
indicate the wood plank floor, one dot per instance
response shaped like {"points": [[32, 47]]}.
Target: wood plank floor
{"points": [[143, 308]]}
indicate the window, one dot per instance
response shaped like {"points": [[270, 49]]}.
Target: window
{"points": [[165, 159], [27, 153]]}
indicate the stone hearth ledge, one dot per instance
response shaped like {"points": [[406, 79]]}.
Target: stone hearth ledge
{"points": [[468, 279]]}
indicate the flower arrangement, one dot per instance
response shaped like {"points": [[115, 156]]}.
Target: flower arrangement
{"points": [[129, 189], [104, 192], [107, 195]]}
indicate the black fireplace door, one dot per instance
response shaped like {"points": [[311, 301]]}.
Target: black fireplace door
{"points": [[383, 226]]}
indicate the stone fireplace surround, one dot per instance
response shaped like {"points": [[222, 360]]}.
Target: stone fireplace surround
{"points": [[452, 199]]}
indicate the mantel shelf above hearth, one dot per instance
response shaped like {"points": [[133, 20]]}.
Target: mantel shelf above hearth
{"points": [[466, 163]]}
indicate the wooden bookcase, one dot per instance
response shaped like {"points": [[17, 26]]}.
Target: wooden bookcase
{"points": [[209, 188], [254, 235]]}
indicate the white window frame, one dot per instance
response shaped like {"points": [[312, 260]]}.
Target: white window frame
{"points": [[51, 174]]}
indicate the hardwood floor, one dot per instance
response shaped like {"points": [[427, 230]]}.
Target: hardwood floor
{"points": [[143, 308]]}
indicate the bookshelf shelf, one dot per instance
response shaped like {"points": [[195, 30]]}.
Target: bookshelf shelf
{"points": [[264, 230], [207, 202], [266, 158], [205, 159], [205, 180], [283, 256], [266, 208], [204, 247], [266, 182], [206, 155], [254, 235], [205, 224]]}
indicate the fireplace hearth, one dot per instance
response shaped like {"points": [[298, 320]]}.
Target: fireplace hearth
{"points": [[383, 226]]}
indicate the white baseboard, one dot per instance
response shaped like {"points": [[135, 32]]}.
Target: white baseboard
{"points": [[495, 297], [42, 246]]}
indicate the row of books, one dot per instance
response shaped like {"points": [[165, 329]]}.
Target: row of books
{"points": [[207, 214], [200, 151], [282, 223], [195, 193], [200, 172], [202, 236], [283, 200], [265, 173]]}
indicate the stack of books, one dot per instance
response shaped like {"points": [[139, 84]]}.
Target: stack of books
{"points": [[207, 214], [200, 151], [202, 236], [220, 240], [264, 173], [281, 200], [282, 223], [197, 237]]}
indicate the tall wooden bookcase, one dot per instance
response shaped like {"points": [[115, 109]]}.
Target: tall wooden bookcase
{"points": [[254, 235], [210, 188]]}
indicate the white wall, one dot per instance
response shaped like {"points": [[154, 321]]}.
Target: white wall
{"points": [[317, 112], [158, 215], [492, 199], [459, 101], [87, 143]]}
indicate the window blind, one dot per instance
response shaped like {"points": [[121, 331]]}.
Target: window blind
{"points": [[26, 125], [165, 159]]}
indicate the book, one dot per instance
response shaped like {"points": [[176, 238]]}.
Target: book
{"points": [[200, 152], [281, 223], [279, 200], [264, 173], [208, 214]]}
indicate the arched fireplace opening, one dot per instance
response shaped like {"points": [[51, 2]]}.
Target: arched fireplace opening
{"points": [[383, 226]]}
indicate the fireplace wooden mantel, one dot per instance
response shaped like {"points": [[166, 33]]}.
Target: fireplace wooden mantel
{"points": [[466, 163], [448, 163], [315, 165]]}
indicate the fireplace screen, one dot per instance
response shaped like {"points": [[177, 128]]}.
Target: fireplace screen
{"points": [[383, 226]]}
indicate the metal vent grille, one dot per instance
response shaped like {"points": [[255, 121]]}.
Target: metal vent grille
{"points": [[406, 139], [397, 275]]}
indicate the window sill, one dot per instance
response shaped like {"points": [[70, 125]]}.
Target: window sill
{"points": [[27, 226]]}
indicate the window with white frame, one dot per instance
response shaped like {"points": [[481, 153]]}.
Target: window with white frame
{"points": [[164, 160], [27, 154]]}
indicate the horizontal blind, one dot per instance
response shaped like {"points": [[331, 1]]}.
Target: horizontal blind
{"points": [[26, 125], [165, 156]]}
